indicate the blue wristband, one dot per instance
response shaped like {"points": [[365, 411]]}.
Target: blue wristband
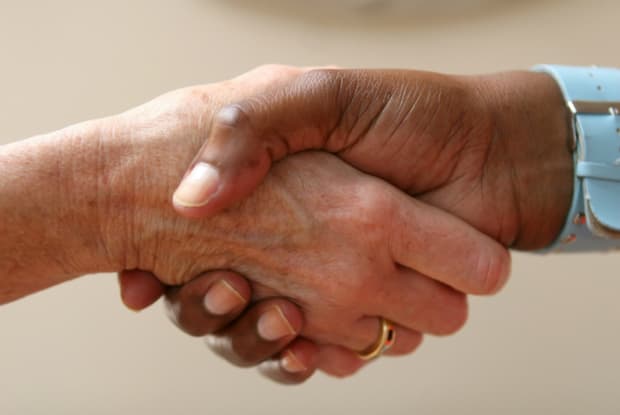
{"points": [[593, 96]]}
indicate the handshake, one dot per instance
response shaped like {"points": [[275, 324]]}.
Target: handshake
{"points": [[323, 216]]}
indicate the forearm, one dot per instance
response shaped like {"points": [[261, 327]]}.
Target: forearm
{"points": [[48, 211], [95, 197]]}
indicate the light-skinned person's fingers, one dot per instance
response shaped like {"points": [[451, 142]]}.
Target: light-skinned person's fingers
{"points": [[302, 357], [262, 331], [359, 335], [294, 365], [341, 362], [338, 361], [419, 303], [139, 289], [208, 302], [405, 342], [446, 248]]}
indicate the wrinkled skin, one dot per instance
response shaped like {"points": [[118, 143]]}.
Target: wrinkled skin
{"points": [[436, 137], [110, 182], [486, 149], [325, 247]]}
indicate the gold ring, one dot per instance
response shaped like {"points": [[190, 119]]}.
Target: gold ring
{"points": [[384, 342]]}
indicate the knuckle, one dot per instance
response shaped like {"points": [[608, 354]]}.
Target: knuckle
{"points": [[354, 292], [344, 295], [332, 91], [235, 115], [271, 69], [323, 78], [195, 96], [373, 202]]}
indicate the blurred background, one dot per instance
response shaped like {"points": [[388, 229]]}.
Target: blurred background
{"points": [[547, 344]]}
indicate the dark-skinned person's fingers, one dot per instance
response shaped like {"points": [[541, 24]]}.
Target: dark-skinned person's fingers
{"points": [[247, 136], [139, 289], [261, 332], [294, 365], [208, 302]]}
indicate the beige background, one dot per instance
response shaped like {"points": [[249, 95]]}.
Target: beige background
{"points": [[548, 344]]}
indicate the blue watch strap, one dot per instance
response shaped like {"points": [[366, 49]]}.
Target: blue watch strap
{"points": [[593, 97]]}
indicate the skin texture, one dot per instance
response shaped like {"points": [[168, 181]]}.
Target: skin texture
{"points": [[115, 180], [486, 148], [234, 335], [304, 243], [95, 198]]}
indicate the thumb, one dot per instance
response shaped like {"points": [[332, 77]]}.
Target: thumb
{"points": [[246, 137]]}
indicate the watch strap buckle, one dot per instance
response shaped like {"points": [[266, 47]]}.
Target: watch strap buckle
{"points": [[594, 107]]}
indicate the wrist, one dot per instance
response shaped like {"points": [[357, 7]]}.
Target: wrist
{"points": [[532, 129], [83, 189], [144, 160], [49, 227]]}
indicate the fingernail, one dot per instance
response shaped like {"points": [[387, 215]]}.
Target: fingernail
{"points": [[291, 363], [273, 325], [198, 186], [222, 298]]}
